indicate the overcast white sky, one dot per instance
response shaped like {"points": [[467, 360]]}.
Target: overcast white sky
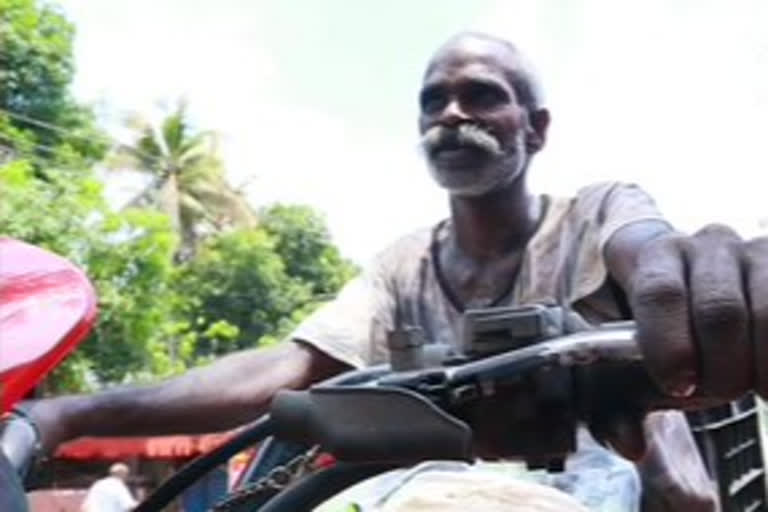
{"points": [[317, 100]]}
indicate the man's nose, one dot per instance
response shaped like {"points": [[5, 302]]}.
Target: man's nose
{"points": [[453, 114]]}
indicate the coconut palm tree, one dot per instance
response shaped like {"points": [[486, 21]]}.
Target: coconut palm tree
{"points": [[188, 180]]}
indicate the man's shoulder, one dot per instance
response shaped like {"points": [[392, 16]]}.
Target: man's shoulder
{"points": [[106, 484], [102, 482], [597, 198], [599, 190], [407, 248]]}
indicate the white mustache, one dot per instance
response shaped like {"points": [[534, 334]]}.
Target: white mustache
{"points": [[467, 134]]}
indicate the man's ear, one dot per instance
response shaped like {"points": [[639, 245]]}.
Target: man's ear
{"points": [[536, 136]]}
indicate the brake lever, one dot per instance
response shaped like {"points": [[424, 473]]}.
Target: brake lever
{"points": [[609, 344], [589, 353], [598, 374], [538, 394]]}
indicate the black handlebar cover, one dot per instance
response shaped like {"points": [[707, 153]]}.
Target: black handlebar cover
{"points": [[359, 424]]}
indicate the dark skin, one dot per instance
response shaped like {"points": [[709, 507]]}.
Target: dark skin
{"points": [[489, 232], [470, 81], [700, 302], [479, 259], [206, 399]]}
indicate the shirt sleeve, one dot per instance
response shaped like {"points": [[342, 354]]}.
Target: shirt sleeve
{"points": [[601, 211], [125, 499], [353, 327], [622, 205]]}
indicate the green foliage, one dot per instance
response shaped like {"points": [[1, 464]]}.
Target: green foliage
{"points": [[37, 57], [261, 282], [242, 289], [304, 243], [131, 265], [36, 69], [54, 212], [245, 287], [128, 257], [189, 182], [239, 278]]}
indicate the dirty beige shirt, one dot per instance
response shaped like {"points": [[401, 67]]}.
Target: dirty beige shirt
{"points": [[563, 264]]}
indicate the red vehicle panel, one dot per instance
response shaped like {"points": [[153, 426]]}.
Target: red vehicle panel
{"points": [[47, 307]]}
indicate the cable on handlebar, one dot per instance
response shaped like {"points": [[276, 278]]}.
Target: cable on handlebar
{"points": [[313, 490], [186, 476], [262, 429], [358, 377]]}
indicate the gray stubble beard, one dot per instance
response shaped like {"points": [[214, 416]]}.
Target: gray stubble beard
{"points": [[504, 168]]}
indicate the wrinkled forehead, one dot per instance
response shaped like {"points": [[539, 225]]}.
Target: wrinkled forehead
{"points": [[473, 57]]}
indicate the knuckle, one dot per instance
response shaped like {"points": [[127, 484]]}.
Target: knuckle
{"points": [[658, 291], [720, 314], [719, 232], [672, 243]]}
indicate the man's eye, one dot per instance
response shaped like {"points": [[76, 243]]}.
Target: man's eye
{"points": [[484, 96], [432, 103]]}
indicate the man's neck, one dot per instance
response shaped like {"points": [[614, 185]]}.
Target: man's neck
{"points": [[495, 224]]}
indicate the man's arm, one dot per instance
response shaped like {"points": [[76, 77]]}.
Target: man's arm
{"points": [[671, 469], [232, 391], [126, 499], [622, 249]]}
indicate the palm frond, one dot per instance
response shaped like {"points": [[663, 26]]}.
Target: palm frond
{"points": [[175, 129], [206, 169], [226, 206], [189, 163], [191, 209]]}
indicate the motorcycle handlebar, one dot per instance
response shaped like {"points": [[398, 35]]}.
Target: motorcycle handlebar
{"points": [[593, 360], [597, 373]]}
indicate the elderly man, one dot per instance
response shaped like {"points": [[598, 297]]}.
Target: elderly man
{"points": [[700, 302], [110, 494]]}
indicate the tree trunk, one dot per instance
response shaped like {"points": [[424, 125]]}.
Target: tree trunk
{"points": [[169, 200]]}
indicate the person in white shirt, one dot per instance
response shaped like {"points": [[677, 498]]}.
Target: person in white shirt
{"points": [[110, 494]]}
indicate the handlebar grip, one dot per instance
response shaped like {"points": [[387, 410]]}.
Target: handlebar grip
{"points": [[370, 424], [12, 497], [19, 443]]}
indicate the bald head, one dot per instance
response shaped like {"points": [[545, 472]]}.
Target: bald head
{"points": [[498, 52], [119, 470], [481, 114]]}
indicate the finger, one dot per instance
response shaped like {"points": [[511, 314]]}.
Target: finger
{"points": [[659, 301], [757, 292], [719, 312]]}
